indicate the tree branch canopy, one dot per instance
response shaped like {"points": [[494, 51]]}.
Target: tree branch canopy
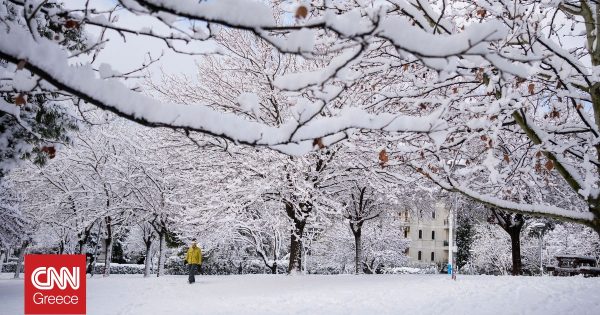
{"points": [[49, 62]]}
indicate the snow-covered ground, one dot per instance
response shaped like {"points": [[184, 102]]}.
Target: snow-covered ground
{"points": [[346, 294]]}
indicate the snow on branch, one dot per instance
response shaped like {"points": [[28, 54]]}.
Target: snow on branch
{"points": [[530, 209], [48, 61], [451, 184]]}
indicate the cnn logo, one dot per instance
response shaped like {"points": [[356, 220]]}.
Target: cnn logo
{"points": [[53, 277], [55, 284]]}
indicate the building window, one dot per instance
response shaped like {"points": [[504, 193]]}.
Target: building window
{"points": [[420, 234], [419, 255], [432, 256], [432, 235]]}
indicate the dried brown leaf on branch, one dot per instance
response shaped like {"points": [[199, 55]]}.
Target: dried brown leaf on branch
{"points": [[549, 165], [20, 100], [383, 157], [301, 12], [531, 88], [71, 24], [318, 142], [51, 151]]}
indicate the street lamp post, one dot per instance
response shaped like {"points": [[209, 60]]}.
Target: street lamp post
{"points": [[451, 246], [541, 229]]}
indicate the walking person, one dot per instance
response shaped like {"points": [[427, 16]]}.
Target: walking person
{"points": [[194, 259]]}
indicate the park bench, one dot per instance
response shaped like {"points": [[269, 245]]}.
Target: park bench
{"points": [[571, 265]]}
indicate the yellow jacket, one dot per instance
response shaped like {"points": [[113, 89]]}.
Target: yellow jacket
{"points": [[194, 256]]}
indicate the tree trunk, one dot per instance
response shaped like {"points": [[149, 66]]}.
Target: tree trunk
{"points": [[358, 251], [512, 224], [3, 253], [108, 244], [107, 256], [515, 241], [81, 248], [161, 254], [20, 256], [94, 258], [273, 268], [369, 266], [296, 247], [147, 261], [299, 219], [82, 242]]}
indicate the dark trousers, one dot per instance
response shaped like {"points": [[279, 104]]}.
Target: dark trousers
{"points": [[192, 268]]}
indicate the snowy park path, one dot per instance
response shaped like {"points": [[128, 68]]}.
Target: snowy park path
{"points": [[345, 294]]}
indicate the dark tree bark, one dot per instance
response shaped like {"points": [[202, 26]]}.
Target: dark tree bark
{"points": [[83, 237], [273, 268], [515, 242], [61, 247], [21, 255], [299, 220], [361, 209], [357, 251], [298, 215], [513, 224], [296, 246]]}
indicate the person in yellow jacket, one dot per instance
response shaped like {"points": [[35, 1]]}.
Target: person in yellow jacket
{"points": [[194, 259]]}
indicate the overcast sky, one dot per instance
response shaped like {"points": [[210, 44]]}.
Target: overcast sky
{"points": [[126, 55]]}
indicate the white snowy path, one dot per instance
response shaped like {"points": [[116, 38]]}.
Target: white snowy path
{"points": [[346, 294]]}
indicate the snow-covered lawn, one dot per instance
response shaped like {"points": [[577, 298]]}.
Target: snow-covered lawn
{"points": [[345, 294]]}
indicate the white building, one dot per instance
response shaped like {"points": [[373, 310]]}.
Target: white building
{"points": [[428, 232]]}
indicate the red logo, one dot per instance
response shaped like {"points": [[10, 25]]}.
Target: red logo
{"points": [[55, 284]]}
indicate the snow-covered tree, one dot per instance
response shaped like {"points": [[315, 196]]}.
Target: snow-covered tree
{"points": [[263, 227], [363, 205], [496, 101]]}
